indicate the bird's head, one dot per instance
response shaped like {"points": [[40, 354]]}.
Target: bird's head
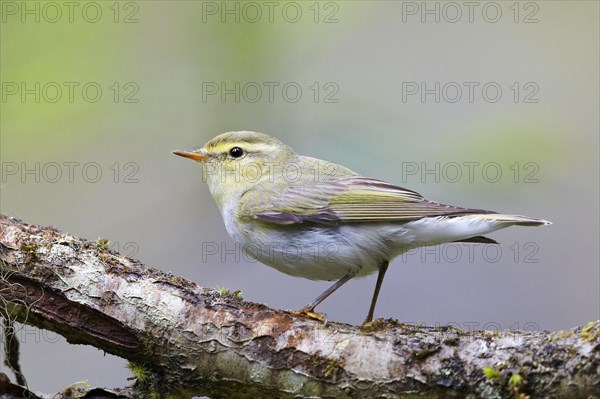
{"points": [[237, 161]]}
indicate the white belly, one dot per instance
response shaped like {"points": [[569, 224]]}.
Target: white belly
{"points": [[322, 252], [316, 253]]}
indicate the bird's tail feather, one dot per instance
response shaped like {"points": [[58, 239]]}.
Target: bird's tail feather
{"points": [[479, 240], [515, 219]]}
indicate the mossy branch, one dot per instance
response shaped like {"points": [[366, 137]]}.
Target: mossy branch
{"points": [[184, 340]]}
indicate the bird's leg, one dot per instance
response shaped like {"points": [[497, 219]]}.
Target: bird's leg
{"points": [[380, 276], [308, 310]]}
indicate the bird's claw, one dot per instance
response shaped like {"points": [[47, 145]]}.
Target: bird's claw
{"points": [[309, 313]]}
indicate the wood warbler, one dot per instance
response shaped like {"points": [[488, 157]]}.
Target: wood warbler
{"points": [[322, 221]]}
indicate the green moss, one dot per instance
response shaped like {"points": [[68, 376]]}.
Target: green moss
{"points": [[102, 243], [491, 374], [515, 380], [560, 335], [515, 383], [140, 372], [147, 383], [331, 367], [222, 290], [491, 334], [591, 332], [31, 252], [378, 325], [148, 347], [510, 381], [225, 291], [334, 367]]}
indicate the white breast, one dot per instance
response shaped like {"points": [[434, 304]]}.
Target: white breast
{"points": [[322, 252]]}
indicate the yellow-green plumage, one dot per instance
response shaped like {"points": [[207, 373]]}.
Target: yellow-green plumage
{"points": [[276, 204]]}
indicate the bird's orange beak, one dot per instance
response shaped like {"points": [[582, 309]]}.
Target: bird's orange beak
{"points": [[198, 155]]}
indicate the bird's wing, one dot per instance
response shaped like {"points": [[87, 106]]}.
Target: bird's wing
{"points": [[351, 199]]}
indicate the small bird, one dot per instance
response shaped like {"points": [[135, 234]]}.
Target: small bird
{"points": [[319, 220]]}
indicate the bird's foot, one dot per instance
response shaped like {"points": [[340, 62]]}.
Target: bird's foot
{"points": [[373, 325], [311, 314], [366, 322]]}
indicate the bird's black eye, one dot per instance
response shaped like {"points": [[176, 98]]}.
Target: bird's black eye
{"points": [[236, 152]]}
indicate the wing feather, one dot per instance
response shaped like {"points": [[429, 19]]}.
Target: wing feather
{"points": [[350, 199]]}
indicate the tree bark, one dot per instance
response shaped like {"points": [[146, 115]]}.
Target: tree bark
{"points": [[184, 340]]}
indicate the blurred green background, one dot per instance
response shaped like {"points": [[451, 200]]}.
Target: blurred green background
{"points": [[96, 162]]}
